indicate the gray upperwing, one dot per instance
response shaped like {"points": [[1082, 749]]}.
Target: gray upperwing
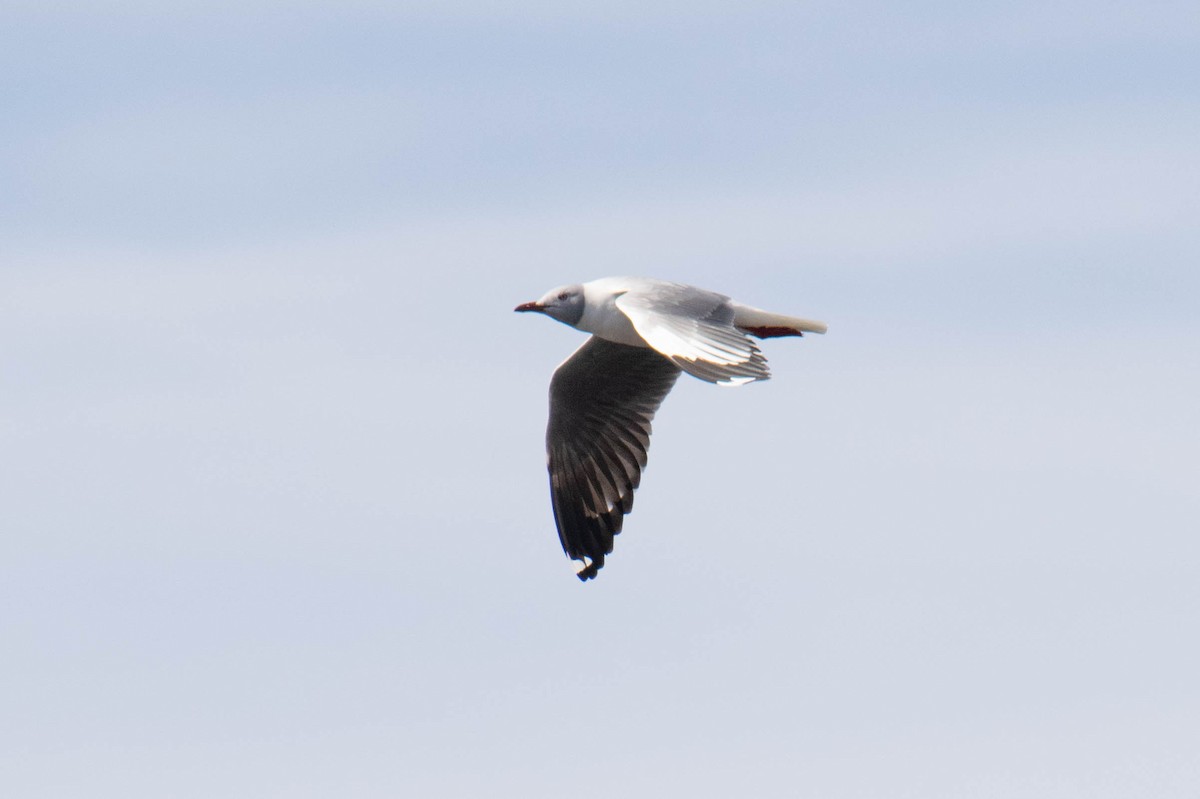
{"points": [[695, 329], [602, 400]]}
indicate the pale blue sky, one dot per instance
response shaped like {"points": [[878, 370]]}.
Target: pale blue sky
{"points": [[275, 517]]}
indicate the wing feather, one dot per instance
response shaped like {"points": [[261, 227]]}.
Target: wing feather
{"points": [[602, 401], [694, 329]]}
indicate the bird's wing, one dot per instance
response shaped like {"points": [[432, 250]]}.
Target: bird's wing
{"points": [[602, 400], [694, 329]]}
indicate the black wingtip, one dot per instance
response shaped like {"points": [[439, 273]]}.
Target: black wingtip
{"points": [[590, 571]]}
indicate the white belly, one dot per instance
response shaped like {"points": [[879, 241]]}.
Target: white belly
{"points": [[602, 317]]}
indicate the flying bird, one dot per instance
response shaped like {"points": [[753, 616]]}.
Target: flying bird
{"points": [[604, 397]]}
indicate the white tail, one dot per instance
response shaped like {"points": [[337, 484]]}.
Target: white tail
{"points": [[765, 324]]}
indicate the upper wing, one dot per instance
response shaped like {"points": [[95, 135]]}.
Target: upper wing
{"points": [[694, 328], [602, 400]]}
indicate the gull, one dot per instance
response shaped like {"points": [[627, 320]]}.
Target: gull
{"points": [[604, 397]]}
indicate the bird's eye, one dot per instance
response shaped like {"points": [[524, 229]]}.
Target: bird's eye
{"points": [[563, 295]]}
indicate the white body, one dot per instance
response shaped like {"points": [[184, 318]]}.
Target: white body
{"points": [[602, 317]]}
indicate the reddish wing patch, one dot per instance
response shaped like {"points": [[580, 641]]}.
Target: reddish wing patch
{"points": [[768, 331]]}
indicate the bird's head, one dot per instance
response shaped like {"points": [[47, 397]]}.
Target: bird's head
{"points": [[564, 303]]}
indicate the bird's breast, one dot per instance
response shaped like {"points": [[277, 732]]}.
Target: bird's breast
{"points": [[606, 320]]}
